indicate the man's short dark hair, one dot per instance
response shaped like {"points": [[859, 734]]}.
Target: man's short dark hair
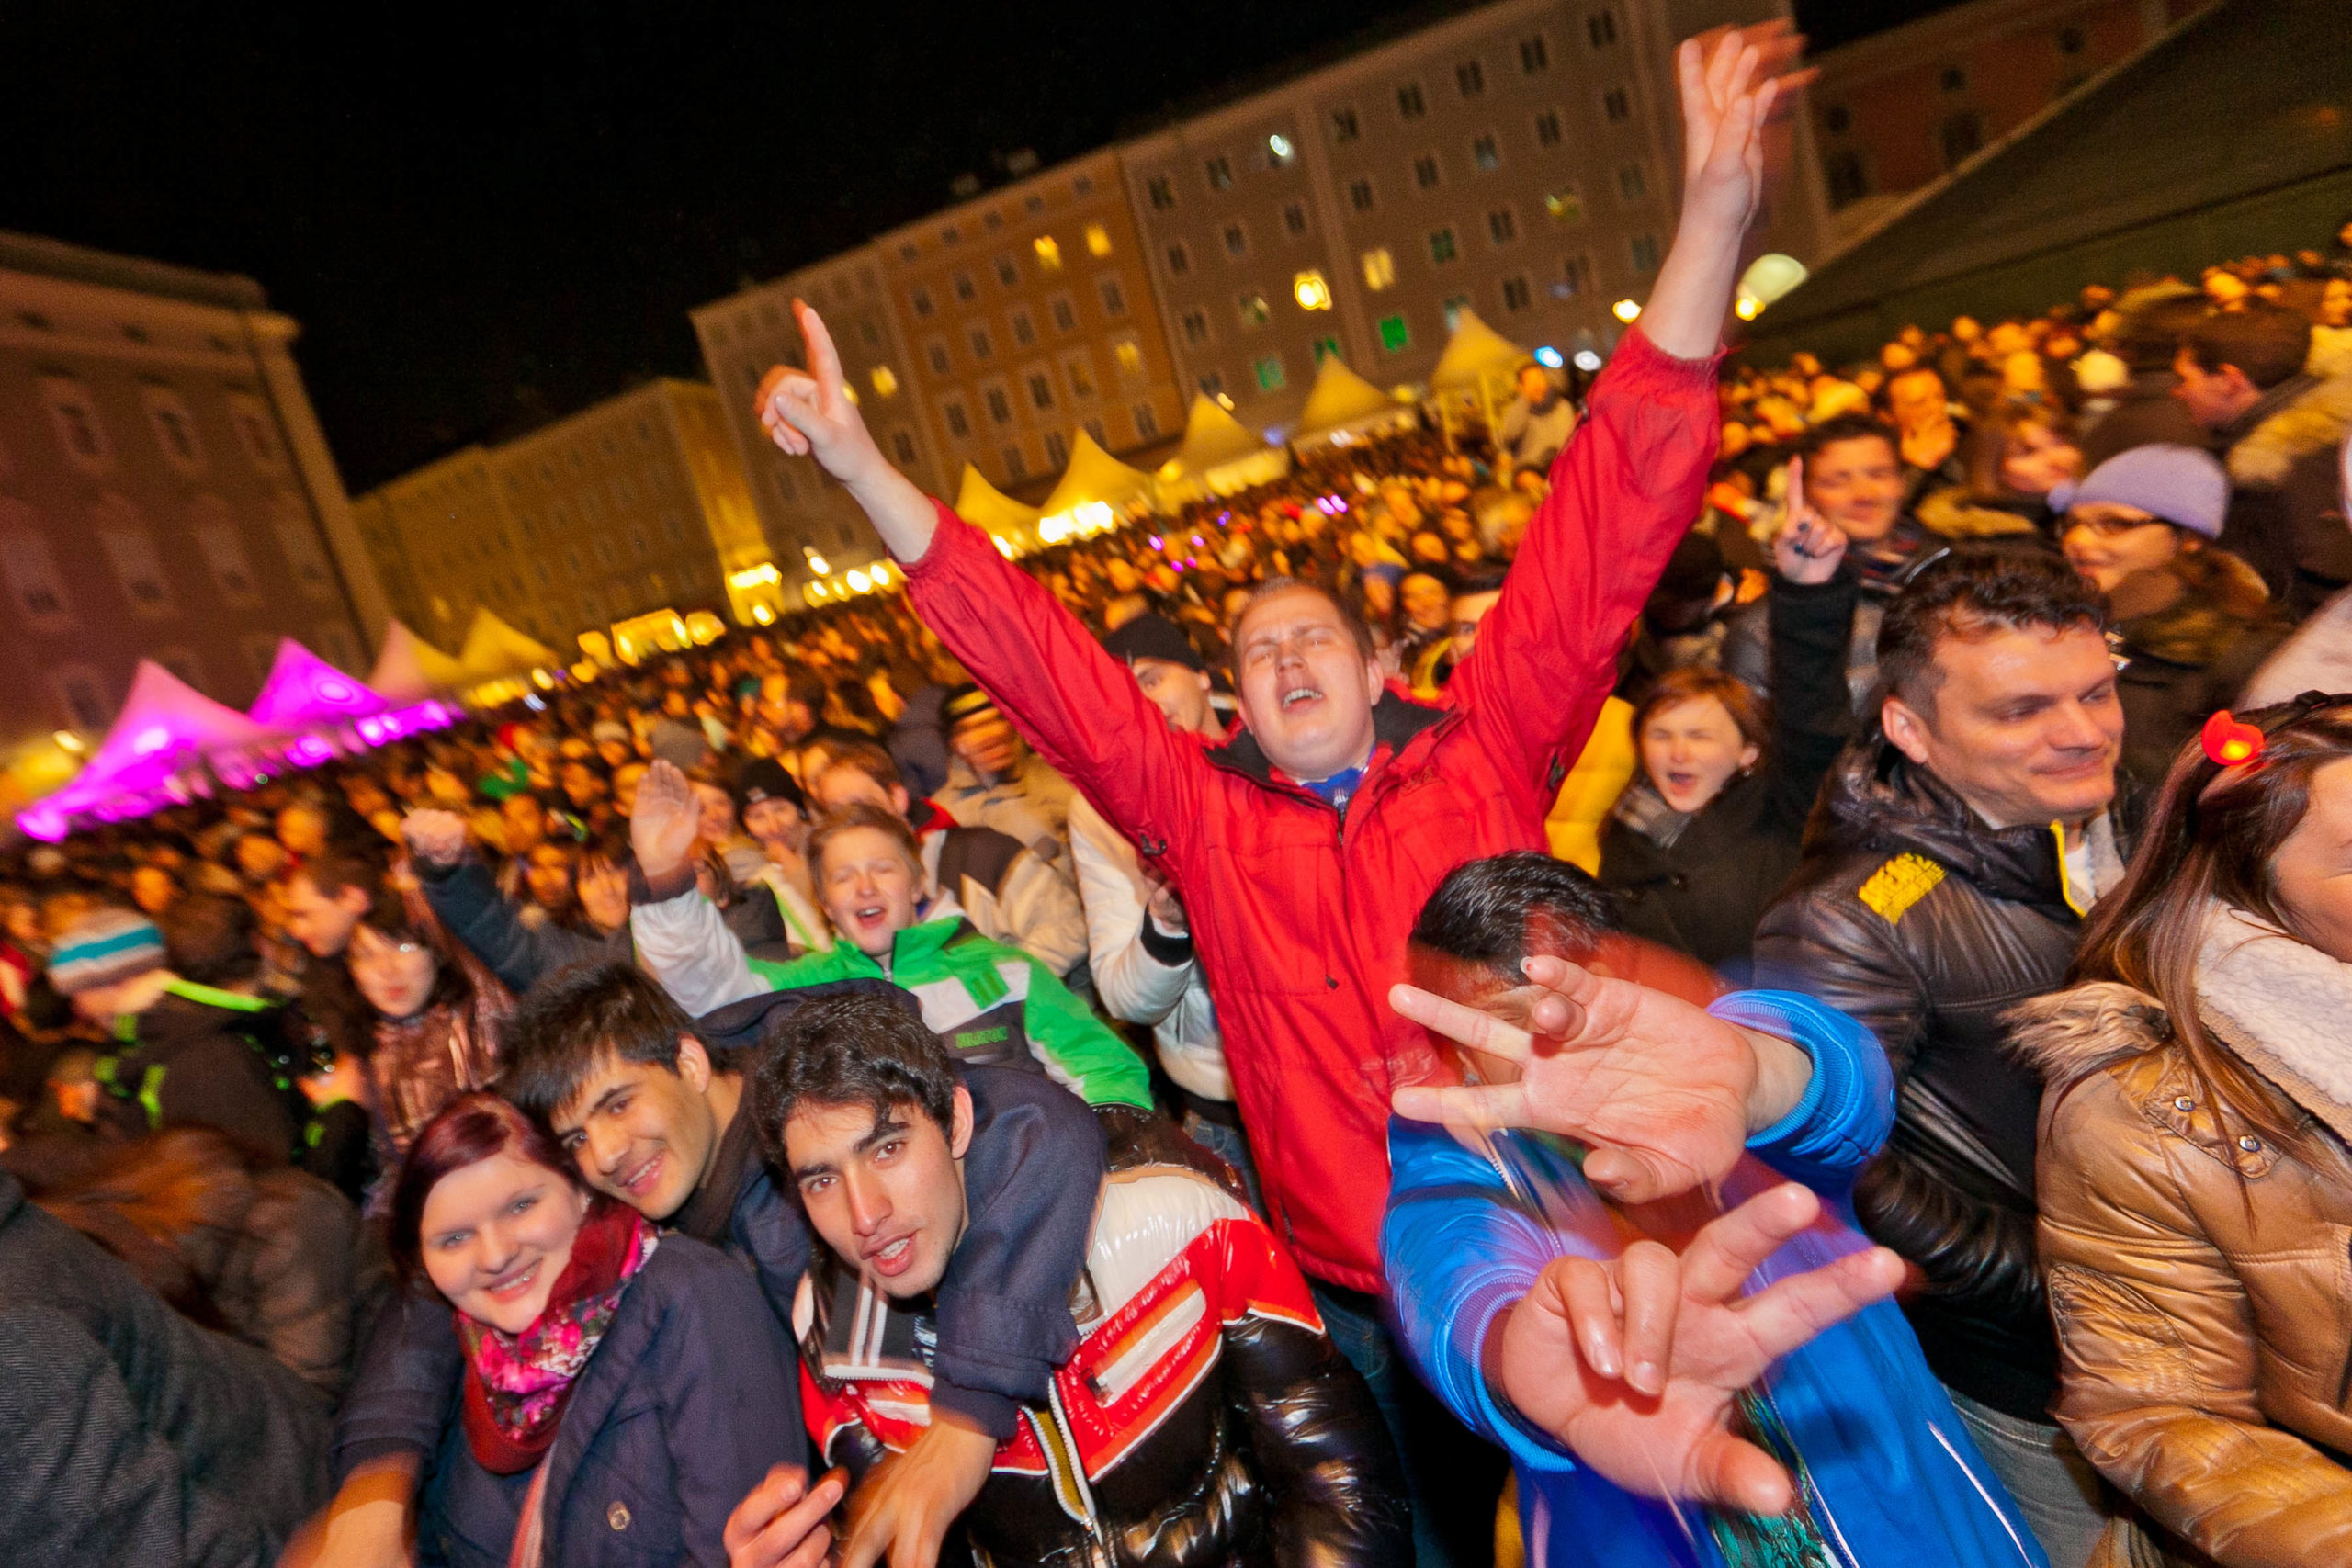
{"points": [[1488, 581], [209, 939], [1974, 593], [340, 868], [1845, 427], [863, 1049], [1274, 586], [577, 1019], [2266, 343], [1484, 911]]}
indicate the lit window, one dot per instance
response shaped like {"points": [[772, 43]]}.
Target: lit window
{"points": [[1269, 371], [1515, 295], [1565, 206], [1312, 291], [1471, 78], [1098, 240], [1049, 255], [1253, 311], [886, 381], [1379, 270], [1547, 129], [1484, 153], [1409, 100], [1220, 172], [1442, 249], [1129, 353]]}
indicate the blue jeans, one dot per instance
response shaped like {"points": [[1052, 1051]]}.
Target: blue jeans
{"points": [[2064, 1502], [1453, 1478], [1228, 1145]]}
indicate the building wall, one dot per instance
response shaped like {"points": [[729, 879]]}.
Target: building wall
{"points": [[1028, 316], [800, 510], [164, 491], [1896, 110], [636, 505]]}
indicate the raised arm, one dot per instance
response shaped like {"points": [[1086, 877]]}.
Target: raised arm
{"points": [[1077, 705], [1628, 484]]}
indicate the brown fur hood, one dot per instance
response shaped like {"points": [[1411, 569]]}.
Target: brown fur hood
{"points": [[2072, 1033], [2192, 609], [2314, 421]]}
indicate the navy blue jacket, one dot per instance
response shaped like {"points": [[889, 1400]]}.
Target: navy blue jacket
{"points": [[466, 900], [692, 1395]]}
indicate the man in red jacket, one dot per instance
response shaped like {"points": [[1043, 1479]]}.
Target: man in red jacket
{"points": [[1303, 846]]}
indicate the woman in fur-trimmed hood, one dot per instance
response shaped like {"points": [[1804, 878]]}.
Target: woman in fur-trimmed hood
{"points": [[2194, 1180]]}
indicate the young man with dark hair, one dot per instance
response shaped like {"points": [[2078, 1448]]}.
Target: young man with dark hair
{"points": [[1205, 1411], [1620, 1349], [2279, 432], [1008, 892], [652, 1113], [1954, 851]]}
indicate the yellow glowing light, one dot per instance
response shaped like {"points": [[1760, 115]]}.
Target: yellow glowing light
{"points": [[858, 582], [762, 613], [1098, 240], [1054, 527], [1311, 291], [886, 381], [1770, 276], [1279, 145], [1092, 516], [819, 590], [1129, 353], [753, 576], [1627, 311], [1003, 546], [1379, 270], [1748, 308], [815, 562], [68, 741], [880, 572], [543, 681], [705, 629], [1049, 255]]}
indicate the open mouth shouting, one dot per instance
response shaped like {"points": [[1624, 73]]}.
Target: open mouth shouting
{"points": [[1300, 696]]}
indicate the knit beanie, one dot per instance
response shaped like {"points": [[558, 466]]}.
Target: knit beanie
{"points": [[2182, 485], [1153, 637], [764, 778], [103, 947]]}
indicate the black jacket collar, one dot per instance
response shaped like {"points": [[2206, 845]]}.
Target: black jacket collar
{"points": [[1395, 722]]}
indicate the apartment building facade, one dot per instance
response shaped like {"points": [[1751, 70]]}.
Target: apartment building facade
{"points": [[636, 505], [165, 489]]}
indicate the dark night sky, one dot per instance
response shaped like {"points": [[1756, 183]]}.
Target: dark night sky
{"points": [[491, 213]]}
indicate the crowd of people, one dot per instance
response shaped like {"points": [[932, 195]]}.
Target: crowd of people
{"points": [[1745, 965]]}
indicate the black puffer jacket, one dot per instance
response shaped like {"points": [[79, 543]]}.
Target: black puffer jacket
{"points": [[2194, 631], [1698, 884], [1913, 918], [1204, 1420]]}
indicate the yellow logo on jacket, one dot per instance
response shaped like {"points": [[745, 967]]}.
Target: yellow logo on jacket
{"points": [[1899, 884]]}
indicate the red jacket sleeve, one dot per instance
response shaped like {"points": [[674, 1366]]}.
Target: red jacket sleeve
{"points": [[1079, 707], [1624, 489]]}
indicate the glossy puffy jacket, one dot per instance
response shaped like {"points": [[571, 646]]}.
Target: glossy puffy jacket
{"points": [[1913, 919], [1205, 1419]]}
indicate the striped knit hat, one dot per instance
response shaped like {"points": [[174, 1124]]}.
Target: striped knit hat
{"points": [[103, 947]]}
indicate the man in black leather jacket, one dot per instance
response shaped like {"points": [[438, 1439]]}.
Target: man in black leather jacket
{"points": [[1204, 1419], [1947, 865]]}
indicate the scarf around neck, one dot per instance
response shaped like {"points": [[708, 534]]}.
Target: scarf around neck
{"points": [[517, 1384], [2281, 1004]]}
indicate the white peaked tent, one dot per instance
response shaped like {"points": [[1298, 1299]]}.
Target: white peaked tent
{"points": [[1095, 475], [1343, 406], [409, 668], [1218, 456], [494, 649], [983, 505], [1473, 354]]}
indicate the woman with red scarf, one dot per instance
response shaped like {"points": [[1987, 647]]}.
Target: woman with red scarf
{"points": [[624, 1389]]}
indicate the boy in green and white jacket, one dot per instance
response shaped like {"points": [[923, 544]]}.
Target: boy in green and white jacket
{"points": [[992, 1004]]}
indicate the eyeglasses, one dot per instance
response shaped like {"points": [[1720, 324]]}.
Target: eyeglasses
{"points": [[2109, 526]]}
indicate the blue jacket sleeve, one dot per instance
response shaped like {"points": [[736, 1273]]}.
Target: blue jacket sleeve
{"points": [[469, 904], [1457, 1247], [404, 1386], [1848, 1104]]}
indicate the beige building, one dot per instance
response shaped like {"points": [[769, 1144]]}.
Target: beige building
{"points": [[1521, 160], [1029, 317], [1893, 111], [804, 513], [636, 505], [165, 489]]}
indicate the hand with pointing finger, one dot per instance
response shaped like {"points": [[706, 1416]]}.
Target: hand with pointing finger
{"points": [[808, 412], [1808, 548], [1635, 1363]]}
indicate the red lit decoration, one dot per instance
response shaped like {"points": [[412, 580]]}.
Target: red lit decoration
{"points": [[2229, 740]]}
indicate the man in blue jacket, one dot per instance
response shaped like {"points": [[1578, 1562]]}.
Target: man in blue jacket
{"points": [[1710, 1394]]}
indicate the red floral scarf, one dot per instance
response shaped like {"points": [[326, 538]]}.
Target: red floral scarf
{"points": [[517, 1384]]}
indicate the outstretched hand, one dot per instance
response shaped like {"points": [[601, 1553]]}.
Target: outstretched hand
{"points": [[661, 830], [1728, 92], [1664, 1094], [782, 1522], [434, 836], [809, 413], [1635, 1363], [1808, 548]]}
